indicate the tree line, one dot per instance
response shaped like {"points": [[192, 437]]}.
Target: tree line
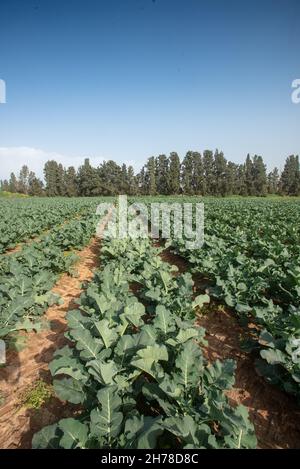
{"points": [[207, 174]]}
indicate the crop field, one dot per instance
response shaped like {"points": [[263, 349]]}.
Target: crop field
{"points": [[147, 343]]}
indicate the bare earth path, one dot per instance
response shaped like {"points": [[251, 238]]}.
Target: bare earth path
{"points": [[17, 423], [275, 415]]}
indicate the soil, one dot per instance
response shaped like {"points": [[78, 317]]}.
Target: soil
{"points": [[275, 415]]}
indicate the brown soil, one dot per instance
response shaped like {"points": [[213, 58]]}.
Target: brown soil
{"points": [[275, 415], [18, 423], [20, 246]]}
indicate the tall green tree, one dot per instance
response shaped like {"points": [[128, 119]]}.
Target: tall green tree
{"points": [[50, 175], [174, 174], [187, 173], [241, 185], [290, 179], [162, 174], [220, 172], [273, 182], [249, 176], [131, 181], [88, 180], [35, 185], [232, 178], [198, 180], [150, 186], [124, 179], [23, 180], [13, 183], [259, 176], [111, 178], [70, 182], [60, 180], [141, 181], [209, 172], [5, 186]]}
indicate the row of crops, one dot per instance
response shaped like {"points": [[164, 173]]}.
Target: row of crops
{"points": [[22, 219], [135, 367], [251, 257], [27, 276]]}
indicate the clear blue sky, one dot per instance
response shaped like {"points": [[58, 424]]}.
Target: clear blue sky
{"points": [[133, 78]]}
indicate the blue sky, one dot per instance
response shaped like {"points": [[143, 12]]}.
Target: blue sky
{"points": [[129, 79]]}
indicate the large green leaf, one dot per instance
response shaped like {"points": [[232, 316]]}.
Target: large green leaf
{"points": [[108, 334], [107, 420], [200, 300], [220, 374], [153, 392], [146, 358], [134, 313], [68, 389], [142, 432], [75, 433], [104, 372], [183, 336], [47, 437], [273, 357], [86, 343], [69, 366], [162, 319], [76, 320], [184, 427], [188, 363]]}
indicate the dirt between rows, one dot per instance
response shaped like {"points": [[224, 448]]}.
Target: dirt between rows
{"points": [[18, 423], [275, 415]]}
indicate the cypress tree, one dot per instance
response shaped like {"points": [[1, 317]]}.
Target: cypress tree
{"points": [[259, 176], [249, 174], [13, 183], [290, 180], [187, 173], [23, 180], [174, 174], [150, 177], [220, 167], [50, 174], [70, 182], [198, 182], [35, 185], [273, 181], [208, 165], [162, 175]]}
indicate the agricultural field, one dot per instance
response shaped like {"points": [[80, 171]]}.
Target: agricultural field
{"points": [[142, 343]]}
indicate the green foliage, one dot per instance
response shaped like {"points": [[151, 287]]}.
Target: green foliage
{"points": [[209, 174], [251, 256], [137, 369], [27, 276]]}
